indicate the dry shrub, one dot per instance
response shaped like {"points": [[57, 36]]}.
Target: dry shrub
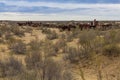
{"points": [[62, 36], [46, 30], [54, 70], [12, 29], [12, 67], [18, 47], [69, 36], [33, 60], [17, 31], [8, 36], [73, 55], [47, 48], [27, 76], [111, 50], [111, 47], [52, 35], [87, 36], [60, 45], [35, 45], [68, 75], [2, 41], [27, 29], [5, 28], [110, 37], [49, 34], [1, 34], [46, 68]]}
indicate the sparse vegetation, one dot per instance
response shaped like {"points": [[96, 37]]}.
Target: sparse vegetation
{"points": [[66, 55]]}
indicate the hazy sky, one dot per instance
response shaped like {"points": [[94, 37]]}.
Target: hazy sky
{"points": [[59, 9]]}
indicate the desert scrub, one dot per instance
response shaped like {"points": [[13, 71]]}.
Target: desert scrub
{"points": [[49, 49], [35, 45], [86, 41], [46, 68], [17, 31], [60, 44], [11, 67], [26, 75], [18, 47], [11, 40], [1, 34], [76, 55], [111, 37], [62, 36], [27, 29], [69, 37], [49, 34], [5, 28], [52, 35], [46, 30], [33, 60], [54, 70], [87, 37], [76, 32], [111, 50], [12, 29], [72, 55], [52, 49], [2, 41], [46, 47], [8, 35], [111, 44]]}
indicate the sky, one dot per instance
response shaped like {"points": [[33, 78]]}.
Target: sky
{"points": [[44, 10]]}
